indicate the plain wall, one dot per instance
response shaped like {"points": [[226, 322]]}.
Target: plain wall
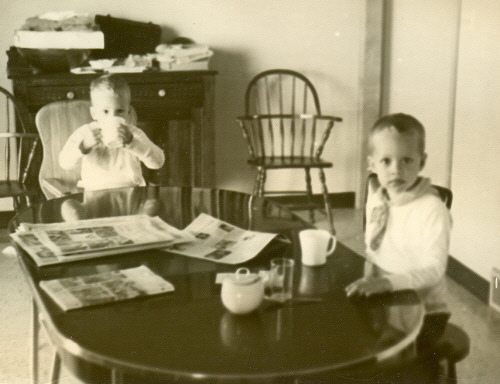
{"points": [[444, 69], [421, 58], [475, 174]]}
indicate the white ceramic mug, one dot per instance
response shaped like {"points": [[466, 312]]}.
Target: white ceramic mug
{"points": [[109, 130], [316, 245]]}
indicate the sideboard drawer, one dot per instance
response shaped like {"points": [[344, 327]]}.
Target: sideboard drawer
{"points": [[39, 96], [168, 96]]}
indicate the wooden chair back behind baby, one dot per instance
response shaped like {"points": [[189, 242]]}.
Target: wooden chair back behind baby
{"points": [[55, 123]]}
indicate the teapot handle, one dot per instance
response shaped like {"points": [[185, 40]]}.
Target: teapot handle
{"points": [[241, 271]]}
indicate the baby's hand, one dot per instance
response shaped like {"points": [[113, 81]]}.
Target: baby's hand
{"points": [[125, 135], [368, 286], [91, 137]]}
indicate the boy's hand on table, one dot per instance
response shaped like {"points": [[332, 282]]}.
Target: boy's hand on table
{"points": [[368, 286]]}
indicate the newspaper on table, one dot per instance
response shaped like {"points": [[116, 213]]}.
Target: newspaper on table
{"points": [[63, 242], [218, 241], [82, 291]]}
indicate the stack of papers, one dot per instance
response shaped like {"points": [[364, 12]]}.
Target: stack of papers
{"points": [[206, 238], [63, 242], [82, 291], [59, 39], [183, 57]]}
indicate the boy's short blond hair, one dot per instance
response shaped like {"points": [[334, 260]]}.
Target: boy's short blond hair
{"points": [[403, 124], [112, 83]]}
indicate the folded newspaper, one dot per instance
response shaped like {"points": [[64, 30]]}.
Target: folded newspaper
{"points": [[63, 242], [206, 238], [221, 242], [82, 291]]}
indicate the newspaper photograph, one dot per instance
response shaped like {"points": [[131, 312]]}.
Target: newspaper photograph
{"points": [[62, 242], [218, 241], [82, 291]]}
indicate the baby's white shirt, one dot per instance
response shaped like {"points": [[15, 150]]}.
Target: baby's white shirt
{"points": [[106, 168]]}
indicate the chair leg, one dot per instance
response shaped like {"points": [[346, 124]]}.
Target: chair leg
{"points": [[309, 193], [452, 373], [17, 203], [256, 183], [260, 181], [328, 210]]}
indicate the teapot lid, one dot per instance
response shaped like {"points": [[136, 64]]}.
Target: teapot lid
{"points": [[242, 276]]}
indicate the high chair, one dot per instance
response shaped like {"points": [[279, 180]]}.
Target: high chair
{"points": [[284, 129], [55, 123]]}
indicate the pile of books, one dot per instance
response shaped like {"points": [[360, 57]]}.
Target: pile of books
{"points": [[183, 57]]}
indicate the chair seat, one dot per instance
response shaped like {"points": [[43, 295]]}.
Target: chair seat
{"points": [[454, 345], [15, 188], [289, 162]]}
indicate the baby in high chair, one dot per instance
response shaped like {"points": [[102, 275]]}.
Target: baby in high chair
{"points": [[111, 150]]}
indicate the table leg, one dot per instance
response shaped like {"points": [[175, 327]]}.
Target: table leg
{"points": [[35, 327], [116, 377], [56, 369]]}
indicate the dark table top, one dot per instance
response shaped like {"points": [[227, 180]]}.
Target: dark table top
{"points": [[188, 334]]}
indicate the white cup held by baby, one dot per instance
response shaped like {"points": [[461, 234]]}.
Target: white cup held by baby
{"points": [[110, 131], [316, 245], [243, 292]]}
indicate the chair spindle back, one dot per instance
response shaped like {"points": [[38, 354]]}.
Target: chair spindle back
{"points": [[286, 136], [283, 92]]}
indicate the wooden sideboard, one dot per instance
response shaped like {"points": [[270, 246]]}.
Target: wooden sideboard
{"points": [[175, 109]]}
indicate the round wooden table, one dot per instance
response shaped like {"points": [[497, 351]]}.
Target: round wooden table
{"points": [[188, 335]]}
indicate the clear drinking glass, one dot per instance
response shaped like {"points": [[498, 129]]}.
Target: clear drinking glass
{"points": [[280, 284]]}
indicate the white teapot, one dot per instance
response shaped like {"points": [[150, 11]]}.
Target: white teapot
{"points": [[242, 292]]}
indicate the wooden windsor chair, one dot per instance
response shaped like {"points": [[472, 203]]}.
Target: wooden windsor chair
{"points": [[18, 142], [284, 129]]}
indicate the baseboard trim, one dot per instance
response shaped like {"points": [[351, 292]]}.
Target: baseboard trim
{"points": [[469, 279], [5, 217], [337, 200]]}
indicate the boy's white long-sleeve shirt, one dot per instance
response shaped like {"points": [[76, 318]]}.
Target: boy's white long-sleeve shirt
{"points": [[106, 168], [413, 253]]}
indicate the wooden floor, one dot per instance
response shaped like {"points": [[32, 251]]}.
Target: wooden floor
{"points": [[481, 322]]}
